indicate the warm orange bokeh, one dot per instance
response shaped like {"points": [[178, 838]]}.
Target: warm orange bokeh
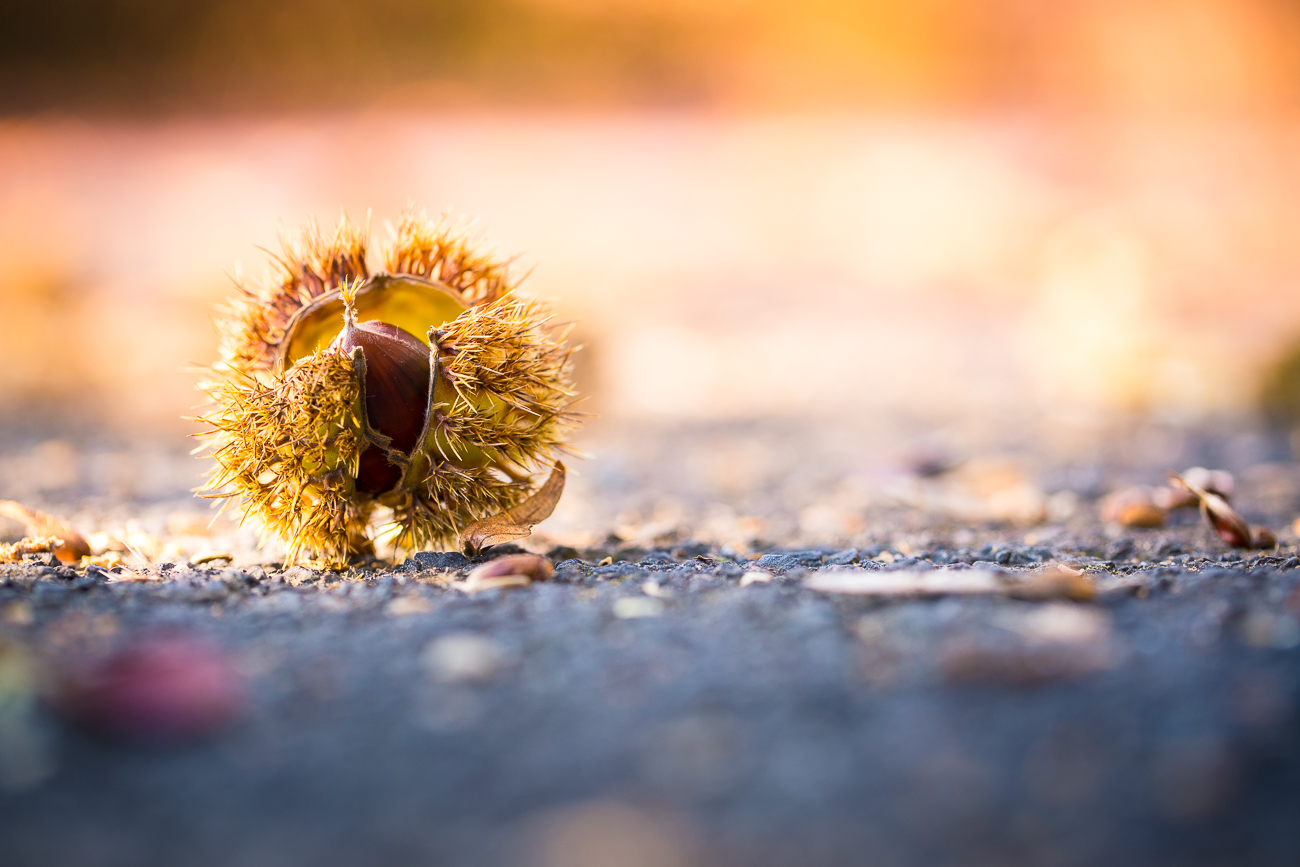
{"points": [[937, 210]]}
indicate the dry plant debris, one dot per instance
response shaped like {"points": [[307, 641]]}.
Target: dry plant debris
{"points": [[1230, 526], [429, 389], [1148, 508], [517, 522], [72, 545], [13, 552], [513, 570]]}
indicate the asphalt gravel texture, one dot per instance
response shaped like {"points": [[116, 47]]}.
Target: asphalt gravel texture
{"points": [[685, 704]]}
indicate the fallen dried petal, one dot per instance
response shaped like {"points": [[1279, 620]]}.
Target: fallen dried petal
{"points": [[478, 585], [1226, 522], [518, 522], [74, 545], [158, 689], [531, 566], [1222, 517]]}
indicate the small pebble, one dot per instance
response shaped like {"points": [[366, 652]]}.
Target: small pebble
{"points": [[404, 605], [633, 607], [464, 657], [843, 558]]}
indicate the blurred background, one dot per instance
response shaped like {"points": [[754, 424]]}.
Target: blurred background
{"points": [[945, 213]]}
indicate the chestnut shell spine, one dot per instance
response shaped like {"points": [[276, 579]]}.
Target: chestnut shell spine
{"points": [[289, 444]]}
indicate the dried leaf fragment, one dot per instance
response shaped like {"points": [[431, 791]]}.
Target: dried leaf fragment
{"points": [[39, 524], [1230, 526], [517, 522]]}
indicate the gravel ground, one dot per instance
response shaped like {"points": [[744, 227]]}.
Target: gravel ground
{"points": [[821, 660]]}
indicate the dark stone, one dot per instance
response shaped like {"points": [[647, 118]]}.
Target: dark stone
{"points": [[780, 563], [563, 553], [1170, 549], [690, 549], [1120, 549], [843, 558], [440, 560], [616, 570], [237, 579]]}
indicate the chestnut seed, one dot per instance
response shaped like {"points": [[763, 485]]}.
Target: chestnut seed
{"points": [[397, 393]]}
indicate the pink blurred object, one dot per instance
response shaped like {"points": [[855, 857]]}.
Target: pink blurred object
{"points": [[158, 689]]}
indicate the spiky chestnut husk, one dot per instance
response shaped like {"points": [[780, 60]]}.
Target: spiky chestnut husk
{"points": [[317, 418]]}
